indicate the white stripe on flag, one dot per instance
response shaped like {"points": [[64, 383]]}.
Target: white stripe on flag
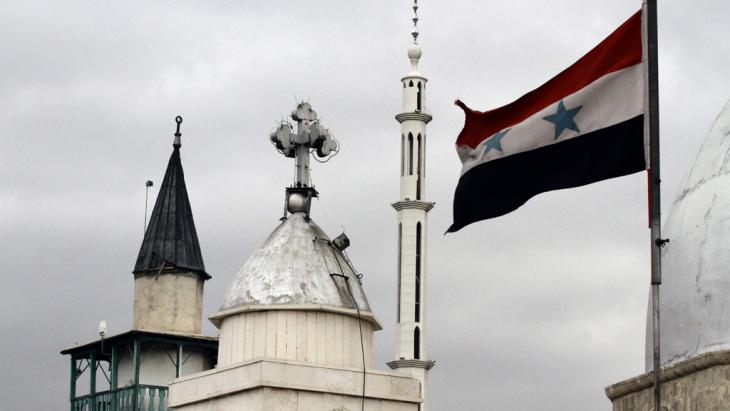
{"points": [[612, 99]]}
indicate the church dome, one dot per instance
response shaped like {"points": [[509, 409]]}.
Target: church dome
{"points": [[695, 290], [297, 265]]}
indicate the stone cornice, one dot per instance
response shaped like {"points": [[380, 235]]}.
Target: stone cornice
{"points": [[669, 373], [420, 116], [365, 315], [291, 375], [413, 204], [412, 76], [426, 365]]}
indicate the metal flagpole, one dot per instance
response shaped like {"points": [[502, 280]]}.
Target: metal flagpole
{"points": [[654, 187]]}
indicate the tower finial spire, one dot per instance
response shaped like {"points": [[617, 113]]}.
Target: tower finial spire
{"points": [[414, 32], [414, 50], [177, 143]]}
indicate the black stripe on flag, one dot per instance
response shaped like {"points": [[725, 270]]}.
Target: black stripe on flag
{"points": [[499, 186]]}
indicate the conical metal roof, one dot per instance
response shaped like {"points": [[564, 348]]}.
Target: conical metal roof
{"points": [[170, 238], [297, 265], [695, 290]]}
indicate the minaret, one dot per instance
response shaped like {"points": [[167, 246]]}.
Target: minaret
{"points": [[165, 341], [412, 208], [169, 273]]}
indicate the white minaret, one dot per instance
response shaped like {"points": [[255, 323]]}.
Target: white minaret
{"points": [[412, 208]]}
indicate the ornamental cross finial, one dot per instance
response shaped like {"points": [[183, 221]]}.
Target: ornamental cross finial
{"points": [[414, 32], [311, 136]]}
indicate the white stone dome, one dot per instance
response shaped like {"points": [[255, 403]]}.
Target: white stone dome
{"points": [[294, 266], [695, 290]]}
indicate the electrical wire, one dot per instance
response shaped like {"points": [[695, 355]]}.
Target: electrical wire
{"points": [[359, 317]]}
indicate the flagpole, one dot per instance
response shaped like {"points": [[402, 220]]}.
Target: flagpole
{"points": [[654, 188]]}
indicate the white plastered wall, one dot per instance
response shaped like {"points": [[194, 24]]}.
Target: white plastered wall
{"points": [[157, 366]]}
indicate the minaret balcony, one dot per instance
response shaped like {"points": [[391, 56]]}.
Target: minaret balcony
{"points": [[417, 115], [413, 205], [403, 363]]}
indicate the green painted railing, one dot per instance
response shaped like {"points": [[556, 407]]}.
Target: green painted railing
{"points": [[135, 398]]}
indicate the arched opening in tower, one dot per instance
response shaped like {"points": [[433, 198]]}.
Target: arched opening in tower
{"points": [[402, 157], [418, 273], [418, 97], [417, 343], [410, 153], [418, 167]]}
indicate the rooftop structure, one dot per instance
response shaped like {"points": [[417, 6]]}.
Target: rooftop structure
{"points": [[165, 341]]}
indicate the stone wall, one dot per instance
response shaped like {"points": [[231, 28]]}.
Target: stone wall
{"points": [[698, 384], [168, 302]]}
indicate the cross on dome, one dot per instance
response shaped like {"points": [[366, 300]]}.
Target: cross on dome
{"points": [[310, 136]]}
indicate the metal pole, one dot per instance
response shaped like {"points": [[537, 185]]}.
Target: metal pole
{"points": [[72, 385], [147, 186], [655, 190], [115, 368], [146, 196], [92, 381], [177, 362], [114, 383], [135, 361]]}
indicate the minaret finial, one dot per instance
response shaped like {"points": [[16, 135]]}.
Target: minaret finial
{"points": [[177, 143], [414, 50], [414, 33]]}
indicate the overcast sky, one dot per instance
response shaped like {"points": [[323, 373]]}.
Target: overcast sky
{"points": [[540, 309]]}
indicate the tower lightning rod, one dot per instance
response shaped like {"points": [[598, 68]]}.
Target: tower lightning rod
{"points": [[147, 186]]}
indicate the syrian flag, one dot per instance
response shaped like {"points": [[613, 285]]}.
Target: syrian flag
{"points": [[584, 125]]}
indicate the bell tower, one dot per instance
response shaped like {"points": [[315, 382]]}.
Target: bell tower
{"points": [[412, 209]]}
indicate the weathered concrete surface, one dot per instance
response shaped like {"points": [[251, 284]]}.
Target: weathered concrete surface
{"points": [[295, 266], [699, 384], [264, 384], [168, 302]]}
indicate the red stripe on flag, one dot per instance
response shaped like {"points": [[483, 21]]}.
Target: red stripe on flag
{"points": [[620, 50]]}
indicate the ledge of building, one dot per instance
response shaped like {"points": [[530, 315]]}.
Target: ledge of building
{"points": [[272, 373], [426, 365], [413, 204], [365, 315], [417, 115], [668, 373]]}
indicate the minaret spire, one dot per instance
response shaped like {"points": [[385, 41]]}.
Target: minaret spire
{"points": [[414, 32], [412, 208], [169, 273], [414, 51], [170, 240]]}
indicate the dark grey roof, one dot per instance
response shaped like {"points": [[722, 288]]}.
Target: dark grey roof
{"points": [[171, 238], [103, 347]]}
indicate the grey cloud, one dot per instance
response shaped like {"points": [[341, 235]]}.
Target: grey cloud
{"points": [[539, 309]]}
